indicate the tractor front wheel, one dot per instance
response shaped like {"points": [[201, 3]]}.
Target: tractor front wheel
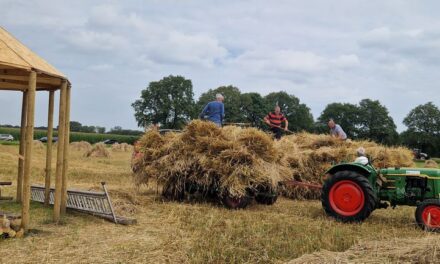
{"points": [[348, 197], [428, 215]]}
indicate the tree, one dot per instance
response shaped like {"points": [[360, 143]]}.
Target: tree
{"points": [[344, 114], [75, 126], [297, 114], [423, 132], [232, 102], [253, 108], [424, 119], [375, 123], [168, 102], [100, 130]]}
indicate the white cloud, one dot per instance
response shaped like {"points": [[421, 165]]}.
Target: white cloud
{"points": [[95, 41], [278, 62], [388, 51]]}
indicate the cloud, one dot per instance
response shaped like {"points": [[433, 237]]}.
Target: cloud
{"points": [[394, 46], [282, 62], [112, 49]]}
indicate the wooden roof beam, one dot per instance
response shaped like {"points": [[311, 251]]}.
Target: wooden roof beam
{"points": [[45, 80], [13, 86]]}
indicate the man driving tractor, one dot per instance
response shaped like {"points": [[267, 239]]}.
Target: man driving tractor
{"points": [[274, 120]]}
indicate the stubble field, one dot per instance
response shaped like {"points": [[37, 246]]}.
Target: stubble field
{"points": [[172, 232]]}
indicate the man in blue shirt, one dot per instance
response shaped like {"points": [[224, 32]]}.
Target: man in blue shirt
{"points": [[336, 130], [214, 111]]}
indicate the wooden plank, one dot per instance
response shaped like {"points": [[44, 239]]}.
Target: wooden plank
{"points": [[28, 153], [40, 80], [13, 86], [5, 183], [21, 150], [60, 154], [66, 152], [49, 148]]}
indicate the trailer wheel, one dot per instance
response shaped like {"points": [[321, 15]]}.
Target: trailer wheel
{"points": [[428, 215], [236, 202], [267, 198], [348, 197]]}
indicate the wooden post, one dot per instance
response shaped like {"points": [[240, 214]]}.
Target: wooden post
{"points": [[66, 153], [49, 148], [28, 151], [22, 147], [60, 153]]}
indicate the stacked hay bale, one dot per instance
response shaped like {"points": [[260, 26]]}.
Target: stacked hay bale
{"points": [[123, 147], [99, 150], [310, 156], [229, 161], [431, 164], [38, 145], [80, 146]]}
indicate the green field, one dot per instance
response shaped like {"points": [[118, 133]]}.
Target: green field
{"points": [[74, 136]]}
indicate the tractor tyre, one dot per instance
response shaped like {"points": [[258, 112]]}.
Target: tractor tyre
{"points": [[348, 197], [234, 202], [428, 215], [267, 198]]}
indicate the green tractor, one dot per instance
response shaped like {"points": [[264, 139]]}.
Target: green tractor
{"points": [[352, 191]]}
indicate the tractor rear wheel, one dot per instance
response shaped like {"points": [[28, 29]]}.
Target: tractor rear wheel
{"points": [[428, 215], [348, 197]]}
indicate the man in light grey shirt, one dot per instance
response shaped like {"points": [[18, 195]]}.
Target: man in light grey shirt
{"points": [[336, 130]]}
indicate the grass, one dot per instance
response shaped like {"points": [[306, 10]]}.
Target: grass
{"points": [[171, 232]]}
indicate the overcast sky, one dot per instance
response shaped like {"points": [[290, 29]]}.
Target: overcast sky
{"points": [[320, 51]]}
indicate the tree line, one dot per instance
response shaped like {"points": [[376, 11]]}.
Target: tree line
{"points": [[76, 126], [170, 102]]}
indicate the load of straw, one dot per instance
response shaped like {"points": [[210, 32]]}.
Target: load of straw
{"points": [[230, 161], [80, 146], [310, 156], [235, 159], [98, 150]]}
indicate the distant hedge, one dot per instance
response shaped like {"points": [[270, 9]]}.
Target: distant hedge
{"points": [[74, 136]]}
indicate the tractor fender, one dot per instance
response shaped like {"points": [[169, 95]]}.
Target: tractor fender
{"points": [[359, 168]]}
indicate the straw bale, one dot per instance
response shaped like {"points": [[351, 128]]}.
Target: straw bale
{"points": [[123, 147], [99, 150], [38, 145], [431, 164], [80, 146]]}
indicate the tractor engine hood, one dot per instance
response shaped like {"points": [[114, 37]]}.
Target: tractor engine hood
{"points": [[420, 172]]}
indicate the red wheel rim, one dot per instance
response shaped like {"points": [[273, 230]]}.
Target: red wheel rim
{"points": [[431, 216], [346, 198]]}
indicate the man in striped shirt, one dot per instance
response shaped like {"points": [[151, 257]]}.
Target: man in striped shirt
{"points": [[274, 120]]}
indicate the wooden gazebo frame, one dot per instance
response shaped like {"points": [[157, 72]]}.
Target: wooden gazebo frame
{"points": [[24, 71]]}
